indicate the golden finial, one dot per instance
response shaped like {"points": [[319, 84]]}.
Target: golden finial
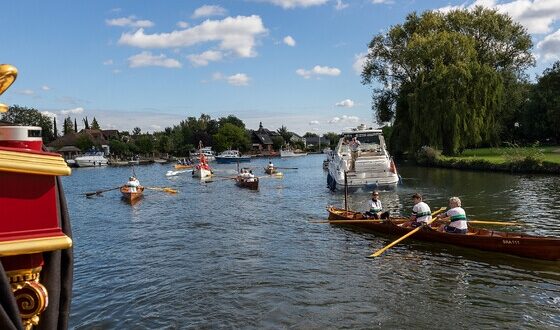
{"points": [[8, 74]]}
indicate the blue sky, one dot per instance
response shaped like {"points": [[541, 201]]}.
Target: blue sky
{"points": [[280, 62]]}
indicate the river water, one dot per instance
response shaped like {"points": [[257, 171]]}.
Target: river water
{"points": [[218, 256]]}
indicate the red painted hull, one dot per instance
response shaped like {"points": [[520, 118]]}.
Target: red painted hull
{"points": [[523, 245]]}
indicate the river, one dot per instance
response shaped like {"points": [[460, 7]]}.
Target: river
{"points": [[218, 256]]}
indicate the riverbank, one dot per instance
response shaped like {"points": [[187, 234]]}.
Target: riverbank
{"points": [[545, 160]]}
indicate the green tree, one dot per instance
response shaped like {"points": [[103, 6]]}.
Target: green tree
{"points": [[284, 133], [309, 134], [119, 148], [84, 142], [30, 117], [277, 142], [444, 76], [231, 136], [86, 123], [67, 126], [145, 144], [333, 139], [55, 129], [232, 120], [75, 126], [95, 124], [136, 131]]}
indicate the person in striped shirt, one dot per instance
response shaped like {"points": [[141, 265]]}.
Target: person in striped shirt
{"points": [[456, 216], [421, 212], [375, 208]]}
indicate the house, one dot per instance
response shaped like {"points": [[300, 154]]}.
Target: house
{"points": [[261, 140], [316, 142], [69, 152], [95, 136], [295, 138]]}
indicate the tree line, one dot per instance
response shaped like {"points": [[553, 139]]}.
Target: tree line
{"points": [[221, 134], [457, 80]]}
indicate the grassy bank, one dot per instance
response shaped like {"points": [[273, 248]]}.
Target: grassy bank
{"points": [[510, 159]]}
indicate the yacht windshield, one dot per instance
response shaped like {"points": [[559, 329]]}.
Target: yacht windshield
{"points": [[368, 141]]}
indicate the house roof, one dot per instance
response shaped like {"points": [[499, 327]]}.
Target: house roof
{"points": [[70, 139], [69, 149]]}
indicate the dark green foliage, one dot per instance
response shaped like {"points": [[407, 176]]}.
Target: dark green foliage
{"points": [[277, 142], [95, 124], [119, 148], [444, 78], [67, 127], [333, 139], [84, 142], [230, 136]]}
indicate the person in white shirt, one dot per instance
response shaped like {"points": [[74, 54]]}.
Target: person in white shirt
{"points": [[376, 208], [132, 184], [421, 212], [457, 217], [270, 165]]}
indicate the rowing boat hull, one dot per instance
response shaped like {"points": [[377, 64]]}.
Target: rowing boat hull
{"points": [[130, 196], [252, 185], [269, 170], [523, 245]]}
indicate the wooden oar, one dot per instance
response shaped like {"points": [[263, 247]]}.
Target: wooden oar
{"points": [[499, 223], [410, 233], [164, 189], [99, 192], [287, 168]]}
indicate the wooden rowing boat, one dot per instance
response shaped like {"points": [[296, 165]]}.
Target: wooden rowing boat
{"points": [[251, 183], [269, 170], [130, 196], [523, 245]]}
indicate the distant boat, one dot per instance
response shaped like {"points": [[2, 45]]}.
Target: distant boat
{"points": [[290, 153], [232, 156], [91, 159], [207, 152], [246, 180], [202, 169]]}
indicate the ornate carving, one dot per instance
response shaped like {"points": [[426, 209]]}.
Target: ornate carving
{"points": [[31, 296]]}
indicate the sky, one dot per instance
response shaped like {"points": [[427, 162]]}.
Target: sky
{"points": [[151, 64]]}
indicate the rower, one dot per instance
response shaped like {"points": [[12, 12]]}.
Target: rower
{"points": [[270, 165], [132, 184], [421, 212], [376, 208], [457, 217]]}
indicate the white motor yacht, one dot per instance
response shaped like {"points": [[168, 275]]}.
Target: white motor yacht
{"points": [[372, 167], [91, 159]]}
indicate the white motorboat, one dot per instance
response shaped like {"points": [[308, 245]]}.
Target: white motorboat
{"points": [[372, 166], [232, 157], [290, 153], [91, 159]]}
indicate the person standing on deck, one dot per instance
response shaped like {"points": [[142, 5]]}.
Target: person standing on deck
{"points": [[354, 148], [421, 212], [375, 208], [457, 217]]}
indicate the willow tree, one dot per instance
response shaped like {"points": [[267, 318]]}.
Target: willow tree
{"points": [[441, 77]]}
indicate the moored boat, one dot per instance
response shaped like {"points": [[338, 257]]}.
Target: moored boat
{"points": [[232, 157], [132, 195], [290, 153], [367, 165], [523, 245], [92, 159]]}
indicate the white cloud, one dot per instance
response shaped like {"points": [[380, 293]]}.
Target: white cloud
{"points": [[359, 62], [237, 34], [288, 40], [340, 5], [345, 103], [217, 76], [108, 62], [72, 111], [49, 114], [116, 71], [155, 127], [314, 122], [182, 24], [537, 16], [130, 21], [207, 11], [377, 2], [288, 4], [239, 79], [318, 71], [45, 88], [27, 92], [147, 59], [344, 119], [204, 58], [549, 47]]}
